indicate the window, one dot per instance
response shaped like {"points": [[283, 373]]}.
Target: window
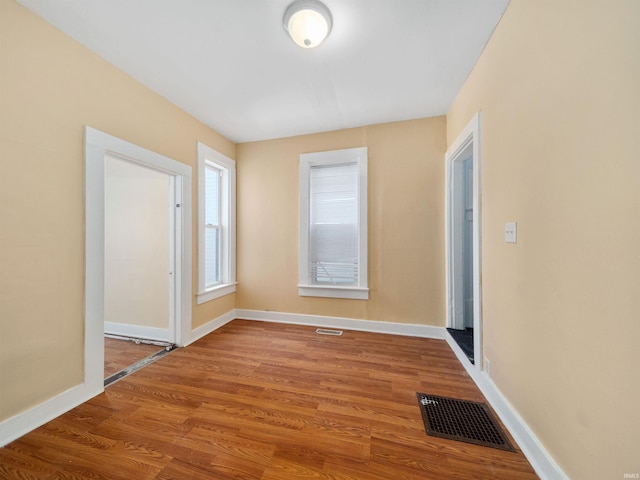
{"points": [[212, 224], [216, 224], [333, 224]]}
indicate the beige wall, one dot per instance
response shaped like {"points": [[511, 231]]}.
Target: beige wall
{"points": [[558, 87], [405, 222], [50, 88]]}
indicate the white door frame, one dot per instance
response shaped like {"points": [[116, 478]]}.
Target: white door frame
{"points": [[467, 142], [97, 145]]}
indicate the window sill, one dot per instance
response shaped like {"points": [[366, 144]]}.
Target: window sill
{"points": [[356, 293], [215, 292]]}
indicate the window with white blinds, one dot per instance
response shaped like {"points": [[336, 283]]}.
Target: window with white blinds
{"points": [[216, 224], [333, 225], [333, 244]]}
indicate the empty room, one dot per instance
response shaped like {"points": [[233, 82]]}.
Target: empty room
{"points": [[278, 239]]}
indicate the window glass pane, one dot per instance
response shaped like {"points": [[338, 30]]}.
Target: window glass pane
{"points": [[212, 196], [212, 256], [333, 229]]}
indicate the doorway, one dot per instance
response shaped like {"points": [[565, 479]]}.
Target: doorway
{"points": [[104, 279], [139, 290], [464, 313]]}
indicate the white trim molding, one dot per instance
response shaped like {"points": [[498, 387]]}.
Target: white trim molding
{"points": [[541, 461], [28, 420], [216, 292], [212, 325], [374, 326], [137, 331], [333, 292]]}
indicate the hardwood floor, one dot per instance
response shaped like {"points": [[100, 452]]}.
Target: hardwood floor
{"points": [[119, 354], [273, 402]]}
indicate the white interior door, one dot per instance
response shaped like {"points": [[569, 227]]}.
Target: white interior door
{"points": [[139, 251]]}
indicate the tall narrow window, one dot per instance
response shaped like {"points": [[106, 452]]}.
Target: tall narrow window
{"points": [[216, 231], [333, 224], [212, 226]]}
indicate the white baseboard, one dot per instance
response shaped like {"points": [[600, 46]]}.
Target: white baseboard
{"points": [[210, 326], [136, 331], [22, 423], [409, 329], [544, 465]]}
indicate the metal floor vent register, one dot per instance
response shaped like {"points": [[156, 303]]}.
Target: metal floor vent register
{"points": [[326, 331], [461, 420]]}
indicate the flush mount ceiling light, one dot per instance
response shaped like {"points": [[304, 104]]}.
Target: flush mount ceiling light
{"points": [[308, 22]]}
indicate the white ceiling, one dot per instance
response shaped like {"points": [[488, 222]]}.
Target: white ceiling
{"points": [[230, 63]]}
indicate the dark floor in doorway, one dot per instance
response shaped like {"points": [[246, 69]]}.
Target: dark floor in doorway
{"points": [[464, 339]]}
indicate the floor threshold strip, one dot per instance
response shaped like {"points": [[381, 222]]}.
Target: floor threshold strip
{"points": [[138, 365], [139, 341]]}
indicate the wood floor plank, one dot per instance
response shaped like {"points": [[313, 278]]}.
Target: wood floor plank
{"points": [[23, 464], [177, 469], [267, 401]]}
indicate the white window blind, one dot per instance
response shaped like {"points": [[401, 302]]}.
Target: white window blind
{"points": [[212, 226], [333, 225]]}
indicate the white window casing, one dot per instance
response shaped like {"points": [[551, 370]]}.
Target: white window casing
{"points": [[216, 224], [333, 224]]}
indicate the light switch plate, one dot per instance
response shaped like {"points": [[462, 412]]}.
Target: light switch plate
{"points": [[510, 232]]}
